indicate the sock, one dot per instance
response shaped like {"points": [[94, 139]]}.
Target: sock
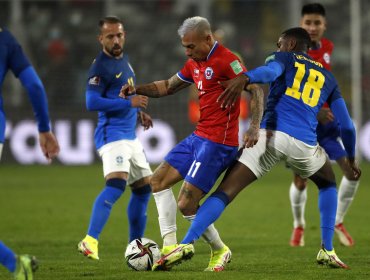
{"points": [[328, 209], [103, 206], [7, 257], [210, 235], [210, 210], [136, 211], [298, 200], [167, 209], [347, 191]]}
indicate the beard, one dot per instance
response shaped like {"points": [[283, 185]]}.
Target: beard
{"points": [[115, 51]]}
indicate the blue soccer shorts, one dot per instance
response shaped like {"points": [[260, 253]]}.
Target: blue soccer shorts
{"points": [[333, 147], [201, 161]]}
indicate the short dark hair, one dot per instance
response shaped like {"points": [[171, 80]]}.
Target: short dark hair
{"points": [[109, 19], [301, 35], [313, 8]]}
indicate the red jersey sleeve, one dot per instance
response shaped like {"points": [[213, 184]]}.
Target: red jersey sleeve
{"points": [[185, 73]]}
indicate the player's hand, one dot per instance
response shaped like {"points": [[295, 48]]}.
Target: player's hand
{"points": [[325, 115], [126, 91], [233, 89], [139, 101], [251, 136], [49, 145], [145, 120], [355, 168]]}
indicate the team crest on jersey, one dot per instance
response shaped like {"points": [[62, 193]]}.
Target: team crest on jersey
{"points": [[119, 160], [196, 73], [208, 73], [94, 81], [326, 58]]}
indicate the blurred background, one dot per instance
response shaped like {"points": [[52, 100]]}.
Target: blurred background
{"points": [[60, 38]]}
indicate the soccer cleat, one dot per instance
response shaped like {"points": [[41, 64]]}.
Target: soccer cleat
{"points": [[330, 259], [176, 256], [25, 267], [219, 259], [297, 238], [166, 249], [343, 235], [89, 247]]}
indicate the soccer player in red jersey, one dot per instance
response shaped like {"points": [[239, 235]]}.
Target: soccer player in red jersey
{"points": [[328, 135], [200, 158]]}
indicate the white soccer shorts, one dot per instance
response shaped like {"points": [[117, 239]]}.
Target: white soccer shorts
{"points": [[1, 149], [125, 156], [304, 159]]}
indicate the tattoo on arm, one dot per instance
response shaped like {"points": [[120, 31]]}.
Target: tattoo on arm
{"points": [[257, 104], [162, 88]]}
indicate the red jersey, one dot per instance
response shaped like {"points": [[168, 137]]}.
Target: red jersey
{"points": [[216, 124], [323, 54]]}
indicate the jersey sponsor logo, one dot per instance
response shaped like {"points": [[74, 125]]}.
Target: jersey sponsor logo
{"points": [[118, 75], [326, 58], [196, 73], [94, 81], [237, 68], [208, 73]]}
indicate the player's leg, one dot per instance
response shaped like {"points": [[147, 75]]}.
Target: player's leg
{"points": [[115, 157], [251, 164], [347, 190], [298, 198], [210, 161], [171, 171], [324, 178], [22, 266], [139, 180], [347, 187]]}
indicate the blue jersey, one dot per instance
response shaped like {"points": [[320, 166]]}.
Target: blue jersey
{"points": [[297, 95], [118, 119], [13, 58]]}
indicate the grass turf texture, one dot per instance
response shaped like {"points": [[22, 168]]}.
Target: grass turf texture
{"points": [[45, 211]]}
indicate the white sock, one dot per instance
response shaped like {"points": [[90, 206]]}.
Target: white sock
{"points": [[167, 207], [346, 193], [210, 235], [298, 202]]}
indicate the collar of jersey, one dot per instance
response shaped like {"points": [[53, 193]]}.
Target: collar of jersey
{"points": [[214, 47]]}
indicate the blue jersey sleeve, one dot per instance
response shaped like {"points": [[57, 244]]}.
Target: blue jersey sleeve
{"points": [[17, 60], [348, 133], [95, 102], [36, 92], [273, 68]]}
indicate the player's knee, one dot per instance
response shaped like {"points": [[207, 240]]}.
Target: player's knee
{"points": [[351, 176], [116, 183], [187, 207], [300, 183]]}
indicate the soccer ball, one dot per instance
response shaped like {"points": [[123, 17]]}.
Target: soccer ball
{"points": [[142, 253]]}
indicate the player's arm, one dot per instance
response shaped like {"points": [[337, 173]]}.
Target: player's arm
{"points": [[263, 74], [257, 104], [36, 92], [348, 132], [156, 89], [96, 102]]}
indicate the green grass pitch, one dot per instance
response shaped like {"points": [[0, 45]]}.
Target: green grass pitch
{"points": [[45, 211]]}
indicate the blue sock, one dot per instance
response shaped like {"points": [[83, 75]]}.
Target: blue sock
{"points": [[209, 212], [136, 211], [114, 188], [328, 208], [7, 257]]}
